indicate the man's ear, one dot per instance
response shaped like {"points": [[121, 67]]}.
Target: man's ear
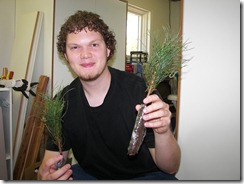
{"points": [[108, 52], [65, 56]]}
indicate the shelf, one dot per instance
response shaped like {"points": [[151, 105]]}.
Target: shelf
{"points": [[4, 89], [6, 139], [138, 56]]}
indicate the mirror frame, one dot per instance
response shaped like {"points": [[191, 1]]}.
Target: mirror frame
{"points": [[179, 76]]}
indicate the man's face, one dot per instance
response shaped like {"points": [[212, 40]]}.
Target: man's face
{"points": [[87, 54]]}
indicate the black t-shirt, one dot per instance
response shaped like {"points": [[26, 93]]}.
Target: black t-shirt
{"points": [[100, 136]]}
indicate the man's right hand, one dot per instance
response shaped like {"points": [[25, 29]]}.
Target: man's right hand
{"points": [[48, 171]]}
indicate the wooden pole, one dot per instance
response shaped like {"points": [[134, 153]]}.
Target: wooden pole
{"points": [[33, 132]]}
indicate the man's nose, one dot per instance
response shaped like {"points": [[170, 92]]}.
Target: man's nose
{"points": [[85, 53]]}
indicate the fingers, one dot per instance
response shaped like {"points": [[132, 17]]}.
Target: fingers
{"points": [[156, 109], [49, 171], [157, 114], [155, 103], [160, 125], [151, 98], [49, 167], [64, 173]]}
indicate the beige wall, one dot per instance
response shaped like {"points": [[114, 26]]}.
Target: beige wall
{"points": [[7, 30], [163, 13], [43, 63], [159, 11]]}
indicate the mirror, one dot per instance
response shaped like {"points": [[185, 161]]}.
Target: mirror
{"points": [[146, 17]]}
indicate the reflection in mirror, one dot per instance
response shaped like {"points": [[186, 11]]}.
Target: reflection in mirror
{"points": [[144, 17]]}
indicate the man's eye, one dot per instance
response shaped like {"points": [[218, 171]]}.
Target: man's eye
{"points": [[74, 47], [94, 45]]}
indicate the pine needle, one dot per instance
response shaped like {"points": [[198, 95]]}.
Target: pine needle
{"points": [[165, 60], [52, 117]]}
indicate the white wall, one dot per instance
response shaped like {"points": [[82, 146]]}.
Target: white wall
{"points": [[209, 121]]}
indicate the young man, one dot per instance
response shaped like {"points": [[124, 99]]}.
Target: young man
{"points": [[101, 108]]}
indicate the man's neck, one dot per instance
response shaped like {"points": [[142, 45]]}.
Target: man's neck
{"points": [[96, 90]]}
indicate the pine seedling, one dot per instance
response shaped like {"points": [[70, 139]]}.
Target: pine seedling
{"points": [[52, 117], [165, 61]]}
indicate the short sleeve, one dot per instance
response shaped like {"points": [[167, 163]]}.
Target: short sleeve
{"points": [[149, 138]]}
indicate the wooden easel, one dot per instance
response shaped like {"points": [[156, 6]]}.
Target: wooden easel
{"points": [[33, 132]]}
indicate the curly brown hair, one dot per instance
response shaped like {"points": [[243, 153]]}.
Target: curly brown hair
{"points": [[91, 21]]}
